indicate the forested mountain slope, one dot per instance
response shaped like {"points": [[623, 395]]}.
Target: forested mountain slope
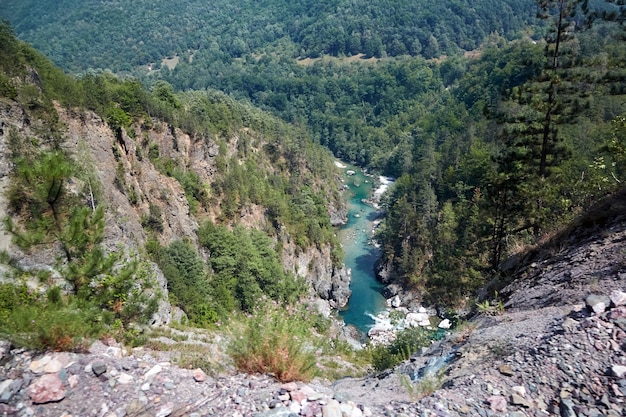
{"points": [[253, 51], [538, 136], [123, 34], [109, 189]]}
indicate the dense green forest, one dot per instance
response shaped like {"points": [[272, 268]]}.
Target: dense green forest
{"points": [[536, 134], [254, 50], [124, 34]]}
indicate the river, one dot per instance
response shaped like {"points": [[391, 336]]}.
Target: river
{"points": [[360, 255]]}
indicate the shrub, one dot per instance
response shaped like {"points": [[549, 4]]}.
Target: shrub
{"points": [[245, 267], [275, 340], [154, 220], [407, 342], [33, 322]]}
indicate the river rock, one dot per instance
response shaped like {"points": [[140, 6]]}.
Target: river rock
{"points": [[54, 366], [417, 319], [331, 409], [497, 403], [350, 409], [98, 368], [445, 324], [149, 376], [125, 378], [37, 365], [199, 375], [618, 370], [8, 387]]}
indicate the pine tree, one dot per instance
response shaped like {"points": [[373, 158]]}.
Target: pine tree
{"points": [[525, 192]]}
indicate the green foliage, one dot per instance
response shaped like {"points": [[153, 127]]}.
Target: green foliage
{"points": [[525, 160], [246, 267], [493, 307], [60, 323], [278, 341], [188, 282], [616, 148], [118, 118], [422, 388], [407, 342], [103, 288], [39, 184], [153, 221], [126, 41]]}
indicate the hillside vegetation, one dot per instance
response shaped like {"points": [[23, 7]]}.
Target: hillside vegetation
{"points": [[123, 34], [492, 152], [117, 196], [251, 50]]}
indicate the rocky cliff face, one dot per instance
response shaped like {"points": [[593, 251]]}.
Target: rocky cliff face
{"points": [[133, 189], [329, 282]]}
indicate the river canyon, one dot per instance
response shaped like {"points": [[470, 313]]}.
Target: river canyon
{"points": [[360, 253]]}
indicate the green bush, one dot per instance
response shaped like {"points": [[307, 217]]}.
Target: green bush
{"points": [[407, 342], [275, 340], [30, 320], [105, 288], [246, 266], [187, 281], [153, 220]]}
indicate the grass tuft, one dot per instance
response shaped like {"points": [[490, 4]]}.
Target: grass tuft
{"points": [[276, 340]]}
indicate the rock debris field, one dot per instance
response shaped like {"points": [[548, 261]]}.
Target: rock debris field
{"points": [[567, 361]]}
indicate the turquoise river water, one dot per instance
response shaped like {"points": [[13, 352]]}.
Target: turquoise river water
{"points": [[366, 299]]}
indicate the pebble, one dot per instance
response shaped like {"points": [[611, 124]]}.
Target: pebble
{"points": [[53, 366], [618, 298], [598, 303], [506, 370], [149, 376], [199, 375], [331, 409], [517, 399], [98, 368], [618, 370], [125, 378], [497, 403]]}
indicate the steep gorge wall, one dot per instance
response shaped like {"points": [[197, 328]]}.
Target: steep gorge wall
{"points": [[130, 183]]}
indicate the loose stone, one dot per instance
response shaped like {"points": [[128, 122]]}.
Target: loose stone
{"points": [[98, 368], [48, 388]]}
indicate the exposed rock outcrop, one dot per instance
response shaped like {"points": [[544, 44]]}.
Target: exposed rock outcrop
{"points": [[329, 282], [132, 189]]}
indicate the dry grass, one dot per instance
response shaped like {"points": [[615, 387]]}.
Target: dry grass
{"points": [[278, 357], [278, 341], [422, 388]]}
